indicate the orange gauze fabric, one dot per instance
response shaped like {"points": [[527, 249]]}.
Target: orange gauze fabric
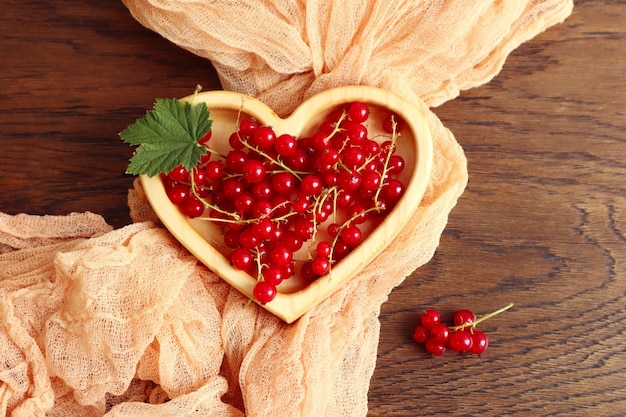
{"points": [[95, 321]]}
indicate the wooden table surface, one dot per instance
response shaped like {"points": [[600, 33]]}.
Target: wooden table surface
{"points": [[542, 223]]}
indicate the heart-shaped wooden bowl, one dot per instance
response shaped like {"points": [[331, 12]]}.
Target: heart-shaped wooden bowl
{"points": [[295, 296]]}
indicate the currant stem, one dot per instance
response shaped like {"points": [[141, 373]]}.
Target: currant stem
{"points": [[482, 318], [394, 136]]}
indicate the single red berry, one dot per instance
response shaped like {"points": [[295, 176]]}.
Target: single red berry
{"points": [[235, 159], [244, 202], [355, 132], [242, 259], [283, 182], [178, 193], [480, 342], [311, 185], [358, 112], [281, 255], [234, 140], [262, 190], [323, 249], [371, 180], [179, 173], [420, 334], [393, 190], [247, 127], [264, 228], [247, 238], [349, 180], [286, 145], [351, 235], [396, 164], [353, 157], [273, 274], [263, 137], [463, 316], [320, 265], [320, 141], [434, 348], [429, 318], [214, 170], [253, 171], [440, 332], [205, 139], [460, 341], [264, 292], [192, 207]]}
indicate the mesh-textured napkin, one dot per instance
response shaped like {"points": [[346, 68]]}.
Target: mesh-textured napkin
{"points": [[95, 321]]}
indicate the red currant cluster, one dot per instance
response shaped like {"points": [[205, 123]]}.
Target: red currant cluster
{"points": [[462, 337], [273, 195]]}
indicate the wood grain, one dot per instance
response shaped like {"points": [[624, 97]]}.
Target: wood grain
{"points": [[542, 223]]}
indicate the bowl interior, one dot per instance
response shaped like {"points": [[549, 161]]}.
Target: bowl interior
{"points": [[295, 295]]}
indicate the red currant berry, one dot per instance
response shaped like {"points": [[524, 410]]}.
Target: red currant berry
{"points": [[253, 171], [231, 188], [264, 292], [242, 259], [235, 159], [323, 249], [393, 190], [263, 137], [420, 334], [370, 180], [333, 229], [434, 348], [247, 239], [247, 127], [351, 235], [440, 332], [283, 182], [480, 342], [353, 157], [261, 208], [320, 266], [178, 193], [262, 190], [179, 173], [429, 318], [205, 139], [349, 180], [244, 202], [355, 132], [320, 141], [272, 274], [460, 341], [358, 112], [462, 317], [264, 229], [311, 185], [281, 255], [396, 164], [214, 170], [234, 140], [192, 207], [286, 145]]}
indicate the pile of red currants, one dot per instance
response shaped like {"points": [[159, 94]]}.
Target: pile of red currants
{"points": [[462, 336], [294, 205]]}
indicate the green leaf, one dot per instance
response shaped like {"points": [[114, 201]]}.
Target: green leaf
{"points": [[167, 137]]}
